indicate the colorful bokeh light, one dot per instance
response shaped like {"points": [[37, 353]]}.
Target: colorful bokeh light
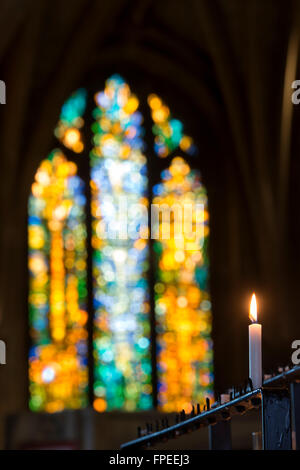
{"points": [[120, 252], [68, 129], [182, 300], [58, 371], [168, 132]]}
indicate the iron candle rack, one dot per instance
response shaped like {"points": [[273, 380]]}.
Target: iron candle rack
{"points": [[279, 402]]}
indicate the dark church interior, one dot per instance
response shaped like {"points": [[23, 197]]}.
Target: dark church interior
{"points": [[189, 99]]}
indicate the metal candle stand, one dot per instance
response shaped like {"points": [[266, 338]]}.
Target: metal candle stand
{"points": [[278, 400]]}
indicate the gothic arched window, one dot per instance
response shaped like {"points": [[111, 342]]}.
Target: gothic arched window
{"points": [[119, 306]]}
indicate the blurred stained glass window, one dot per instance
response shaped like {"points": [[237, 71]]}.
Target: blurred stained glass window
{"points": [[127, 338], [70, 124], [168, 131], [182, 299], [119, 183], [57, 287]]}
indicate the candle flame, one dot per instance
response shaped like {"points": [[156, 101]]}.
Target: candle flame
{"points": [[253, 309]]}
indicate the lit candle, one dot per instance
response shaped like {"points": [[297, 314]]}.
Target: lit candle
{"points": [[255, 363]]}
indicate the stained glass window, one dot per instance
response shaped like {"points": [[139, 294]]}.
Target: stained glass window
{"points": [[69, 127], [182, 300], [120, 260], [137, 327], [57, 287], [167, 130]]}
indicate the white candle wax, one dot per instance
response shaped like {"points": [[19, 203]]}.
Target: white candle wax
{"points": [[255, 362]]}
